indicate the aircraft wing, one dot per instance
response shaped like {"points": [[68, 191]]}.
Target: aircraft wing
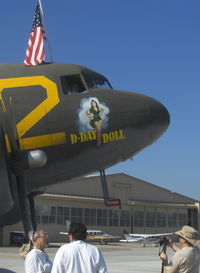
{"points": [[101, 237], [64, 233], [149, 236], [135, 237], [131, 240]]}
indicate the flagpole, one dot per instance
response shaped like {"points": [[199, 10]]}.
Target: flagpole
{"points": [[43, 22]]}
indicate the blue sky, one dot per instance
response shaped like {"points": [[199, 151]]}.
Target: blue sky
{"points": [[147, 46]]}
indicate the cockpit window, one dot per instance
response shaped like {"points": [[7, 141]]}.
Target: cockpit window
{"points": [[96, 81], [72, 84]]}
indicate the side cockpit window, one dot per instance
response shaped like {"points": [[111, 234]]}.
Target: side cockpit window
{"points": [[72, 84]]}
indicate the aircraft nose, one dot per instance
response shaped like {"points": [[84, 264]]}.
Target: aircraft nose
{"points": [[142, 115], [141, 118], [159, 117]]}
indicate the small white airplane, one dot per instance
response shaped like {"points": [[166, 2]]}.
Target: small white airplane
{"points": [[93, 235], [100, 236], [154, 239], [97, 236], [96, 232]]}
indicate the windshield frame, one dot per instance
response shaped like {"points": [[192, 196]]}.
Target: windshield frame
{"points": [[91, 80]]}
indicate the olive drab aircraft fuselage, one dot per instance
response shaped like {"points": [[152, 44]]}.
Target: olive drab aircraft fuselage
{"points": [[74, 116]]}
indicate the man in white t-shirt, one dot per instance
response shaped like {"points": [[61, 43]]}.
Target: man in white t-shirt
{"points": [[78, 256], [37, 261]]}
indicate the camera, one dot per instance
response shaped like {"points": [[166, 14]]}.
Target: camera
{"points": [[163, 241]]}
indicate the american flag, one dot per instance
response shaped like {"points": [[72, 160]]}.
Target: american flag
{"points": [[35, 50]]}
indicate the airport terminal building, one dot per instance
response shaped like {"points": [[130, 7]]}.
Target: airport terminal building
{"points": [[145, 208]]}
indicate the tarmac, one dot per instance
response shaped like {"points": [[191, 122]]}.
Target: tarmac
{"points": [[119, 257]]}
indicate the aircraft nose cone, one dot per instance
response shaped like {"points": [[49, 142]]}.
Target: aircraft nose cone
{"points": [[142, 120], [159, 116]]}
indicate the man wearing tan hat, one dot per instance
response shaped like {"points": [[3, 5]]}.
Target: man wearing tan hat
{"points": [[187, 258]]}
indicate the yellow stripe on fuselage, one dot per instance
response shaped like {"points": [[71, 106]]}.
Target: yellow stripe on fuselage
{"points": [[42, 141], [37, 113]]}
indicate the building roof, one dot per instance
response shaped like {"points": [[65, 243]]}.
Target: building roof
{"points": [[130, 188]]}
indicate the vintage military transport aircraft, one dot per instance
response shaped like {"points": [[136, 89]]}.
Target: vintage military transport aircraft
{"points": [[60, 121]]}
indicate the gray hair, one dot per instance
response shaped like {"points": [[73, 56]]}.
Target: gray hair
{"points": [[33, 235]]}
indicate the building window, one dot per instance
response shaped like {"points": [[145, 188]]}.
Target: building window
{"points": [[45, 214], [76, 215], [125, 218], [80, 215], [192, 217], [52, 219], [150, 219], [74, 212], [182, 219], [114, 218], [139, 218], [60, 218], [161, 219], [101, 217], [43, 210], [44, 219], [60, 210], [67, 212], [90, 217], [172, 219], [53, 211], [93, 213], [86, 216]]}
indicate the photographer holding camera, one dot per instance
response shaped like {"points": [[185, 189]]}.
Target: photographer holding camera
{"points": [[187, 258]]}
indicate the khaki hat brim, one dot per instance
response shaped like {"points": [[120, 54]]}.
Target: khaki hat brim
{"points": [[191, 241]]}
